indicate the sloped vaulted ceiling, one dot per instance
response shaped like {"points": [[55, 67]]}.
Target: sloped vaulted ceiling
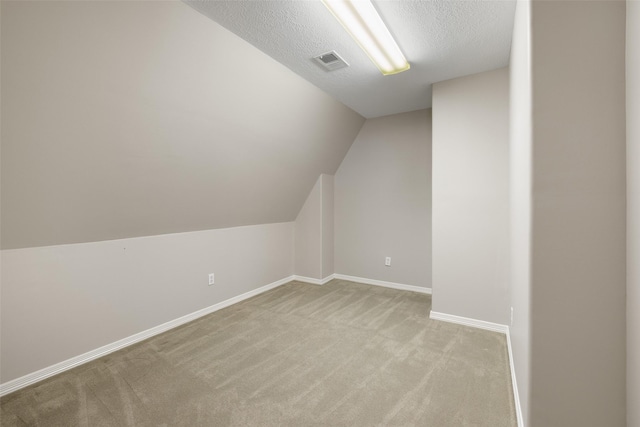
{"points": [[442, 39], [123, 119]]}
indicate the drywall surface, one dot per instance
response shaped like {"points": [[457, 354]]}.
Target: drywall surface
{"points": [[382, 201], [327, 225], [441, 39], [308, 235], [578, 214], [471, 196], [62, 301], [633, 213], [520, 140], [127, 118], [314, 232]]}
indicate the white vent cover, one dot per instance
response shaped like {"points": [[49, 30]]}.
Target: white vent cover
{"points": [[331, 61]]}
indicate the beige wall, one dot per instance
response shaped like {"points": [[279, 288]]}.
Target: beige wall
{"points": [[62, 301], [578, 214], [470, 196], [124, 119], [633, 213], [382, 201], [308, 235], [520, 200]]}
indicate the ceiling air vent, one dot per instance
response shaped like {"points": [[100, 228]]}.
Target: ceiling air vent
{"points": [[331, 61]]}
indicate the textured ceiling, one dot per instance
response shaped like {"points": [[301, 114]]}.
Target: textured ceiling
{"points": [[442, 39]]}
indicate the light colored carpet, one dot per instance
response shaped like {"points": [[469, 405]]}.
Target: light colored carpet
{"points": [[342, 354]]}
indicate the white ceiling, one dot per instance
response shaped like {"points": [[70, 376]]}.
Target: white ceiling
{"points": [[442, 39]]}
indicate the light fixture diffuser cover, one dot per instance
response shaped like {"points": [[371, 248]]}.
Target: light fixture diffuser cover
{"points": [[364, 24]]}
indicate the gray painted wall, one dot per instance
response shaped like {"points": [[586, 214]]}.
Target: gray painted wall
{"points": [[470, 196], [314, 232], [61, 301], [633, 213], [327, 225], [520, 152], [308, 235], [578, 214], [382, 201], [124, 119]]}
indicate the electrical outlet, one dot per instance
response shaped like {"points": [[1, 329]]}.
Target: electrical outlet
{"points": [[211, 279], [511, 316], [387, 261]]}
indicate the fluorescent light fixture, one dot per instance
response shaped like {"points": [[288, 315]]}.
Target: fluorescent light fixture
{"points": [[362, 21]]}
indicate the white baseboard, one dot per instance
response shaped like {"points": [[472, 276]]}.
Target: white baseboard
{"points": [[34, 377], [481, 324], [466, 321], [495, 327], [313, 281], [514, 383], [382, 283]]}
